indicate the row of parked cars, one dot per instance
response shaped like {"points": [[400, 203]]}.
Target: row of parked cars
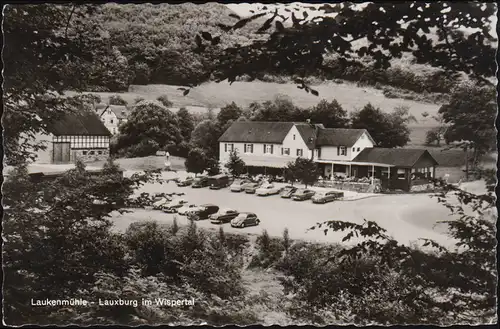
{"points": [[205, 211], [287, 192]]}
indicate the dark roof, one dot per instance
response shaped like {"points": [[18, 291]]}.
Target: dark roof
{"points": [[79, 122], [121, 111], [393, 156], [340, 136], [307, 133], [256, 132]]}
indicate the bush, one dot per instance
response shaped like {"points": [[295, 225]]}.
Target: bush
{"points": [[270, 250], [165, 101], [117, 100]]}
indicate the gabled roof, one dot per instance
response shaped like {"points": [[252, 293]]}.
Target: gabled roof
{"points": [[79, 122], [307, 133], [256, 132], [121, 111], [393, 156], [340, 136]]}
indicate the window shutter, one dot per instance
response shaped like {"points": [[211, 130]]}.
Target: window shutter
{"points": [[225, 147], [264, 148], [338, 150], [282, 152], [272, 149]]}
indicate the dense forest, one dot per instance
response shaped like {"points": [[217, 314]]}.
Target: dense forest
{"points": [[155, 44]]}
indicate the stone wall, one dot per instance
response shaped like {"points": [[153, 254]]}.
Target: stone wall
{"points": [[351, 186], [89, 155]]}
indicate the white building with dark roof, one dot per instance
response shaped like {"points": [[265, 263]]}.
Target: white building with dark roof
{"points": [[338, 151], [112, 116]]}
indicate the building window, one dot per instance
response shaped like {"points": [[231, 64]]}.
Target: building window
{"points": [[99, 152], [228, 147], [401, 173], [299, 152], [248, 148], [268, 148], [91, 152], [358, 149], [84, 152], [111, 121], [354, 149], [343, 150], [293, 136], [285, 151]]}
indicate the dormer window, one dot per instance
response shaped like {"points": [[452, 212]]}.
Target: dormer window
{"points": [[293, 136]]}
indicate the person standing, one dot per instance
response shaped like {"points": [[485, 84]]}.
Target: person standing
{"points": [[167, 161]]}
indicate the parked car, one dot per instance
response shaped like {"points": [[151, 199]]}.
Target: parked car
{"points": [[329, 196], [219, 181], [239, 185], [185, 182], [288, 191], [223, 216], [268, 189], [172, 206], [250, 188], [303, 194], [200, 182], [203, 212], [186, 208], [159, 204], [245, 219]]}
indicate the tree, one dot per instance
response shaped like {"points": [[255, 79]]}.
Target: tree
{"points": [[235, 164], [205, 136], [213, 166], [37, 69], [330, 114], [57, 235], [305, 170], [186, 123], [387, 129], [163, 99], [117, 100], [400, 29], [281, 108], [434, 136], [149, 128], [229, 113], [470, 116], [196, 161]]}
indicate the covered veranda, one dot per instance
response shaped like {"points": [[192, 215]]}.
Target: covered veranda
{"points": [[349, 169]]}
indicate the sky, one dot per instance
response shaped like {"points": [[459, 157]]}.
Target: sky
{"points": [[243, 10]]}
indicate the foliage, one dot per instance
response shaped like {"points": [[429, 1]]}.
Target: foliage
{"points": [[400, 29], [38, 64], [59, 232], [470, 116], [235, 164], [163, 99], [206, 136], [213, 166], [330, 114], [304, 170], [186, 123], [228, 114], [281, 108], [456, 284], [387, 129], [149, 128], [117, 100], [269, 251], [434, 136], [197, 161]]}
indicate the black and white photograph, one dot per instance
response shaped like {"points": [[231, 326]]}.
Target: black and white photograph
{"points": [[293, 163]]}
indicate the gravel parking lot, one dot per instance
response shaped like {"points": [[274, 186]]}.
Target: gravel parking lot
{"points": [[406, 217]]}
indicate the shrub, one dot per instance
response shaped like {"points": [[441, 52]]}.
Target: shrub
{"points": [[117, 100], [164, 100], [269, 249]]}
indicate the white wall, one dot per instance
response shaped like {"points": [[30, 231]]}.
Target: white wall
{"points": [[110, 121], [330, 152], [363, 142], [44, 156], [294, 144], [258, 150]]}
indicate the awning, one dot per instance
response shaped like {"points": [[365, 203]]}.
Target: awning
{"points": [[347, 163], [271, 161]]}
